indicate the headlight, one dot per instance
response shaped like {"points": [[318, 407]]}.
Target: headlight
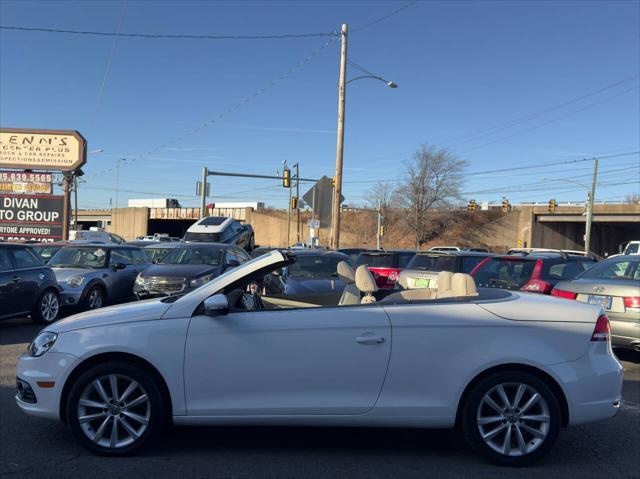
{"points": [[201, 281], [139, 280], [42, 344], [75, 281]]}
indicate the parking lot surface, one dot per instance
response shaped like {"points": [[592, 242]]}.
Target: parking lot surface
{"points": [[31, 447]]}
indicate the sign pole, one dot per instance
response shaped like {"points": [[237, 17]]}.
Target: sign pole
{"points": [[66, 188], [298, 199]]}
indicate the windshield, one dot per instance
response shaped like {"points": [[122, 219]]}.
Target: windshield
{"points": [[617, 268], [434, 262], [203, 237], [632, 248], [208, 256], [375, 260], [308, 266], [504, 273], [157, 254], [47, 252], [71, 257]]}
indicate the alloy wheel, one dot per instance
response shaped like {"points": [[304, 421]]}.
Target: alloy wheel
{"points": [[114, 411], [94, 301], [49, 306], [513, 419]]}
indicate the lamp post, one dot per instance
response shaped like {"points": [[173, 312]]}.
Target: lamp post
{"points": [[342, 85]]}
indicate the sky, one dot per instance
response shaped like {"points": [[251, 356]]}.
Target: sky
{"points": [[502, 85]]}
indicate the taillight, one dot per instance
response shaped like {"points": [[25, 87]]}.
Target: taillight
{"points": [[536, 286], [602, 329], [563, 294], [393, 277], [632, 302]]}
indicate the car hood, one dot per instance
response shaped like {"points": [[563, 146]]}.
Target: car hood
{"points": [[542, 307], [615, 287], [180, 270], [316, 285], [148, 310], [63, 274]]}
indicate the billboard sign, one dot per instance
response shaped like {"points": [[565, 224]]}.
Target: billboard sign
{"points": [[57, 150], [31, 217], [23, 182]]}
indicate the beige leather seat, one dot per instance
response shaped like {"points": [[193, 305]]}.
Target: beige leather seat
{"points": [[420, 294], [462, 285], [351, 293], [444, 284], [366, 284], [403, 279]]}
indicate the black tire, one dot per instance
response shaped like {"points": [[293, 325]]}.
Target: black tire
{"points": [[43, 314], [510, 380], [156, 412], [95, 295]]}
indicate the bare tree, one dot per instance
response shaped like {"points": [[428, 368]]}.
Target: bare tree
{"points": [[632, 198], [433, 180]]}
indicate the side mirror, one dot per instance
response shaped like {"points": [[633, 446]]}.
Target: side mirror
{"points": [[118, 266], [216, 305]]}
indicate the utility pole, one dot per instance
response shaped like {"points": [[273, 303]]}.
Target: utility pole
{"points": [[66, 188], [298, 200], [337, 192], [289, 218], [590, 199], [203, 192], [75, 200], [379, 224]]}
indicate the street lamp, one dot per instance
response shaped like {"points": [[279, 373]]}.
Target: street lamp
{"points": [[337, 191]]}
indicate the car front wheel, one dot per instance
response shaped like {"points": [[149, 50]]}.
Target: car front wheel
{"points": [[47, 308], [115, 408], [511, 418], [94, 298]]}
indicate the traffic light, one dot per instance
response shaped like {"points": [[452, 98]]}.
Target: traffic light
{"points": [[294, 203], [552, 205], [382, 230], [333, 181], [286, 178], [505, 205], [472, 205]]}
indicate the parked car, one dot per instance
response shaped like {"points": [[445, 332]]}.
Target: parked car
{"points": [[95, 236], [422, 271], [613, 284], [353, 253], [444, 248], [510, 374], [536, 272], [546, 250], [186, 267], [157, 251], [630, 247], [477, 250], [259, 251], [313, 278], [220, 229], [93, 275], [385, 265], [27, 285]]}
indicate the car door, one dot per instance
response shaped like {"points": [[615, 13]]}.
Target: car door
{"points": [[287, 362], [8, 305], [27, 277], [123, 279]]}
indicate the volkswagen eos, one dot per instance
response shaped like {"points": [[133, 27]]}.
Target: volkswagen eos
{"points": [[509, 369]]}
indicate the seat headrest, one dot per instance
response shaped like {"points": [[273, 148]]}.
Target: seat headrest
{"points": [[345, 272], [365, 281], [444, 281], [463, 285], [403, 279]]}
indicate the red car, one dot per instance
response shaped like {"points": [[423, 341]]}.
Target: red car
{"points": [[385, 265], [536, 272]]}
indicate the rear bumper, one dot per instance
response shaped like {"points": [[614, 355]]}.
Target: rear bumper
{"points": [[592, 385], [625, 333]]}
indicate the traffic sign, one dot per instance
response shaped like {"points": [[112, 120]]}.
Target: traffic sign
{"points": [[320, 198]]}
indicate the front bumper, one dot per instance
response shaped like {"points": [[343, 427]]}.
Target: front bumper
{"points": [[45, 376], [71, 296]]}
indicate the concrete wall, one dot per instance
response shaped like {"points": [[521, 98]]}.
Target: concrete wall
{"points": [[129, 222]]}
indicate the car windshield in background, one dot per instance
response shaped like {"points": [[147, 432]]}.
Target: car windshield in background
{"points": [[511, 273], [208, 256], [375, 260], [309, 266], [71, 257], [47, 252], [566, 270], [157, 254], [618, 268], [436, 262], [632, 248], [203, 237]]}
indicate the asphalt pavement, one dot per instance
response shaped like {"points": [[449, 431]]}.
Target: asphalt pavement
{"points": [[37, 448]]}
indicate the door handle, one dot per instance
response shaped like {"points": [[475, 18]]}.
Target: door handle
{"points": [[17, 279], [369, 339]]}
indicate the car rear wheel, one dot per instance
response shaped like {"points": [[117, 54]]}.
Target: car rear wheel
{"points": [[94, 298], [47, 308], [115, 408], [511, 418]]}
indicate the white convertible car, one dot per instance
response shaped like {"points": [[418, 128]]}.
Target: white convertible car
{"points": [[509, 369]]}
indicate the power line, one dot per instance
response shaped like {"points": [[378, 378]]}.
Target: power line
{"points": [[384, 17], [170, 36]]}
